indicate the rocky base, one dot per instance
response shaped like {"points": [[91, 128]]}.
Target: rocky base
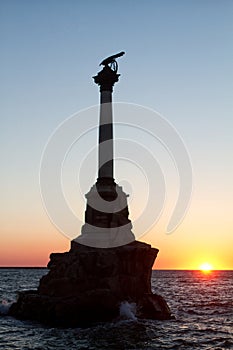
{"points": [[87, 285]]}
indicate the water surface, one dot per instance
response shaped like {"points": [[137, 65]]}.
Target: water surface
{"points": [[201, 303]]}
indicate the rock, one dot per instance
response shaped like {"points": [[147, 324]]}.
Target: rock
{"points": [[88, 285]]}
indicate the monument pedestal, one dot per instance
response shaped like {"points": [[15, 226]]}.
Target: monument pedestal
{"points": [[107, 222]]}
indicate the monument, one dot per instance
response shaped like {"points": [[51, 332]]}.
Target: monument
{"points": [[105, 266], [106, 218]]}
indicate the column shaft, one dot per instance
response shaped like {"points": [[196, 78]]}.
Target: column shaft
{"points": [[105, 169]]}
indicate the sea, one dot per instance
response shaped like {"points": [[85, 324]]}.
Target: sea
{"points": [[200, 302]]}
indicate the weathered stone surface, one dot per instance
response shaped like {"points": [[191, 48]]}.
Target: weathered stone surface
{"points": [[88, 284]]}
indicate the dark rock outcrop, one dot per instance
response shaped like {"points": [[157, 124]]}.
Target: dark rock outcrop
{"points": [[88, 284]]}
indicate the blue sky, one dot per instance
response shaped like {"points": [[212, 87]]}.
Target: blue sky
{"points": [[178, 61]]}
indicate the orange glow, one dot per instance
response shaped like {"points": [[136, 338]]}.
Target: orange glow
{"points": [[206, 267]]}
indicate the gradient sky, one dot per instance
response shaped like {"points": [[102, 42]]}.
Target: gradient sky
{"points": [[178, 62]]}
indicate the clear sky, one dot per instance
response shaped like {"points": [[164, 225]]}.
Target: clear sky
{"points": [[178, 62]]}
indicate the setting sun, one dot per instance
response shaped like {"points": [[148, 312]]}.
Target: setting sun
{"points": [[206, 267]]}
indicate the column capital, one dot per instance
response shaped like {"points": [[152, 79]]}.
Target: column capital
{"points": [[106, 78]]}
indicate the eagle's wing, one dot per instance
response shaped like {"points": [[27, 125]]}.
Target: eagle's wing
{"points": [[111, 58]]}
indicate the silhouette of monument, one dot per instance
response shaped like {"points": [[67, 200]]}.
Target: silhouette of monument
{"points": [[105, 266], [112, 228]]}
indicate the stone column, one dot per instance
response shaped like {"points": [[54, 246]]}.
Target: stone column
{"points": [[107, 222], [106, 79]]}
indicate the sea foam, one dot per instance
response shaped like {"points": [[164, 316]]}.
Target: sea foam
{"points": [[128, 310], [4, 307]]}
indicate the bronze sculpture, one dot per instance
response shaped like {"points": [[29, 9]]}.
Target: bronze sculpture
{"points": [[112, 61]]}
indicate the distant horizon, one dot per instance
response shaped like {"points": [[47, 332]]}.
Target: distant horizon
{"points": [[153, 269]]}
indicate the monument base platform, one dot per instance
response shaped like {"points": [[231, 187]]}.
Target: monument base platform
{"points": [[87, 285]]}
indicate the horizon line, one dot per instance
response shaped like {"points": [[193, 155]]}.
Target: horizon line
{"points": [[161, 269]]}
